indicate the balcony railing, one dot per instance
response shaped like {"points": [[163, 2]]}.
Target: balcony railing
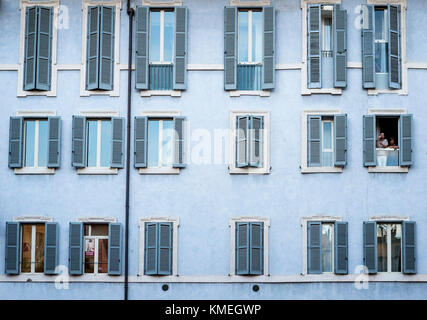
{"points": [[161, 76], [249, 76]]}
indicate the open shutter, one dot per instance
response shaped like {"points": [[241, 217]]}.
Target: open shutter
{"points": [[405, 140], [165, 248], [314, 143], [16, 142], [340, 133], [92, 55], [180, 59], [141, 55], [394, 60], [12, 254], [368, 44], [369, 141], [51, 245], [30, 48], [44, 48], [230, 48], [242, 138], [408, 247], [117, 142], [76, 248], [340, 46], [256, 262], [256, 141], [54, 142], [141, 134], [106, 47], [268, 59], [115, 231], [370, 246], [341, 247], [314, 247], [150, 250], [314, 56], [179, 124], [79, 142], [242, 248]]}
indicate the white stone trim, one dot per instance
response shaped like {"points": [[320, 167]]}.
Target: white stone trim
{"points": [[30, 170], [97, 220], [161, 113], [416, 65], [288, 66], [141, 225], [163, 170], [9, 67], [161, 3], [249, 3], [239, 93], [232, 225], [95, 170], [151, 93], [99, 113], [35, 113], [394, 169], [389, 218], [32, 219], [387, 111]]}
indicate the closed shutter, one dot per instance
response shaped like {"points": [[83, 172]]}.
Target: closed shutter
{"points": [[242, 248], [369, 141], [117, 142], [230, 48], [242, 138], [54, 142], [405, 140], [179, 143], [408, 247], [51, 246], [340, 133], [256, 141], [341, 247], [394, 60], [370, 246], [180, 58], [256, 248], [150, 250], [314, 247], [340, 47], [106, 49], [44, 48], [76, 248], [368, 44], [79, 142], [16, 142], [165, 248], [92, 43], [141, 54], [314, 54], [115, 231], [314, 143], [141, 134], [30, 60], [268, 66], [12, 254]]}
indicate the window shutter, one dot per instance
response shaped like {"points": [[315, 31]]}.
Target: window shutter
{"points": [[180, 59], [341, 247], [30, 61], [314, 54], [340, 46], [16, 129], [340, 133], [408, 247], [92, 43], [256, 141], [117, 142], [314, 143], [115, 231], [314, 249], [44, 48], [13, 240], [150, 252], [405, 143], [51, 246], [76, 248], [54, 142], [79, 142], [370, 246], [268, 66], [230, 48], [256, 248], [179, 124], [141, 134], [368, 44], [394, 60], [106, 48], [242, 137], [141, 55], [242, 248], [369, 141], [165, 249]]}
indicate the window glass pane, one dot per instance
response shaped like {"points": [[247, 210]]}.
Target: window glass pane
{"points": [[396, 236], [43, 137], [243, 36], [327, 135], [26, 248], [92, 135], [327, 158], [257, 31], [382, 247], [99, 230], [327, 33], [380, 24], [154, 36], [169, 28], [39, 248], [86, 227], [167, 143], [381, 53], [153, 143], [327, 238], [102, 255], [89, 255], [105, 143], [30, 129]]}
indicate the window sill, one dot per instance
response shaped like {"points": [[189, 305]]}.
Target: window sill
{"points": [[27, 93], [238, 93], [30, 170], [235, 170], [88, 93], [159, 171], [374, 92], [150, 93], [93, 170], [333, 91], [321, 170], [388, 169]]}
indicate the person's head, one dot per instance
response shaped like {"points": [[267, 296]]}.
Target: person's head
{"points": [[382, 135], [392, 141]]}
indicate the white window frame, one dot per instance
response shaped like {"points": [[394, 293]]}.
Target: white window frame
{"points": [[141, 225], [265, 169], [96, 252], [33, 247], [162, 38], [232, 225], [250, 43]]}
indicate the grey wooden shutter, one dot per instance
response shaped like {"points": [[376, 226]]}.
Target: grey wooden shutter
{"points": [[242, 141], [256, 261], [51, 246], [368, 45], [268, 59], [408, 247], [314, 247], [140, 139], [150, 250], [370, 246], [76, 248], [394, 60], [179, 125], [115, 235], [313, 141], [180, 58], [44, 48], [405, 140], [242, 248], [54, 142], [79, 142], [117, 142], [341, 247], [92, 43], [30, 60], [12, 254], [314, 46], [165, 248], [16, 131], [340, 134], [106, 48], [141, 54], [256, 141], [230, 48], [369, 141], [340, 46]]}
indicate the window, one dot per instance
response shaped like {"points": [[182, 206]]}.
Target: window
{"points": [[99, 143], [389, 237], [249, 248], [35, 143], [158, 248], [160, 143], [96, 248], [32, 244]]}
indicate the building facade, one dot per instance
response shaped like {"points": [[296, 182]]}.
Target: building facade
{"points": [[276, 149]]}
